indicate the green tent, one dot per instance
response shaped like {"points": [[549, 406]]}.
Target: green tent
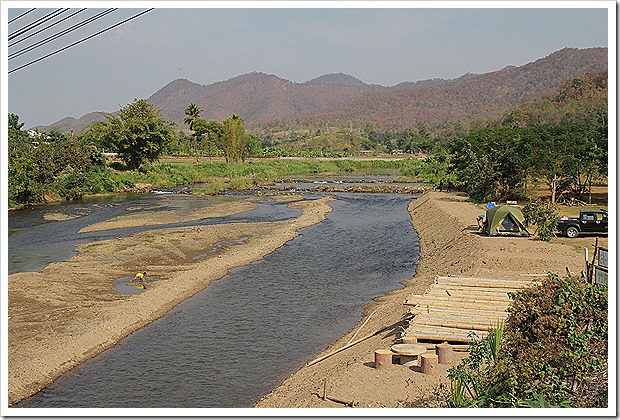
{"points": [[505, 220]]}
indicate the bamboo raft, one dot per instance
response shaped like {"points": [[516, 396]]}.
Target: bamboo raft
{"points": [[461, 309]]}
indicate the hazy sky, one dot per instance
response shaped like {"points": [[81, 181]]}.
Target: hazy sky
{"points": [[378, 45]]}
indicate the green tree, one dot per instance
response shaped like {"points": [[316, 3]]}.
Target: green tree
{"points": [[192, 113], [17, 138], [138, 133], [234, 139], [489, 165], [209, 135]]}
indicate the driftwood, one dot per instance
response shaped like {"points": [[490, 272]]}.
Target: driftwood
{"points": [[350, 403], [318, 359], [361, 326]]}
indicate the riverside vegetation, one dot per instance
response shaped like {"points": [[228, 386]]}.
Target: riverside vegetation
{"points": [[559, 140], [552, 352]]}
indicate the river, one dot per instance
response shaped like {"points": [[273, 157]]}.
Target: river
{"points": [[240, 337]]}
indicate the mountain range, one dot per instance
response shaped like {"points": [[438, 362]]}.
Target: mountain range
{"points": [[268, 102]]}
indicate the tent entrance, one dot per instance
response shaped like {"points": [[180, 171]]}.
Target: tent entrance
{"points": [[509, 225]]}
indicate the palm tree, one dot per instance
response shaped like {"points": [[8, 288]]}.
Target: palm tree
{"points": [[193, 114]]}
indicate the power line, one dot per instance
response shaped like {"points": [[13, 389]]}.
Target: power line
{"points": [[59, 34], [80, 41], [47, 27], [22, 15], [36, 23]]}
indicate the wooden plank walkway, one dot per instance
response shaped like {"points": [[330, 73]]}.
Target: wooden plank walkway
{"points": [[455, 307]]}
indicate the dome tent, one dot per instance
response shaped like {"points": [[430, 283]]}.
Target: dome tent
{"points": [[505, 220]]}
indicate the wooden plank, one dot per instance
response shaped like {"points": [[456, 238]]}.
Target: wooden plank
{"points": [[449, 301], [480, 313], [472, 288], [444, 334], [484, 279], [448, 294], [468, 281], [451, 322]]}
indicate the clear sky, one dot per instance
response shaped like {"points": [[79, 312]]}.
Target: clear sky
{"points": [[377, 44]]}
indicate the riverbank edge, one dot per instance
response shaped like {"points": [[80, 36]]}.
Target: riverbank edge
{"points": [[42, 367], [452, 243], [449, 245]]}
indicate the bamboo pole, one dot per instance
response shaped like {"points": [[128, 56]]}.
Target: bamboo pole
{"points": [[480, 289], [459, 302], [361, 326], [318, 359], [443, 330], [457, 323], [448, 324], [456, 281], [482, 280], [482, 313], [453, 295]]}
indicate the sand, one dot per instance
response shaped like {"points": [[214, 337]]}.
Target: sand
{"points": [[66, 313], [449, 245]]}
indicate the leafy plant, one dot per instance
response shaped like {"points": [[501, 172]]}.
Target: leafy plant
{"points": [[551, 352], [544, 216]]}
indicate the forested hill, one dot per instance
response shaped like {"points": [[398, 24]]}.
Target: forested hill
{"points": [[270, 102]]}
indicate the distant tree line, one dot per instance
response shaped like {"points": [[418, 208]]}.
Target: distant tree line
{"points": [[559, 139]]}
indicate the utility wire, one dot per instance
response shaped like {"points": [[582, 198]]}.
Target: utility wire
{"points": [[47, 27], [80, 41], [59, 34], [23, 14], [36, 23]]}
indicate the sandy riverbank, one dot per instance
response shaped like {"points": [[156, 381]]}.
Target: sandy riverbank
{"points": [[66, 313], [449, 245], [48, 335]]}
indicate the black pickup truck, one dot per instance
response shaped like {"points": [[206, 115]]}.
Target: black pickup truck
{"points": [[589, 221]]}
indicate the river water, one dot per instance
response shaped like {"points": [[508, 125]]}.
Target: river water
{"points": [[244, 334]]}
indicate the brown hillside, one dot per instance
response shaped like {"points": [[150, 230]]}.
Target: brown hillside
{"points": [[268, 102]]}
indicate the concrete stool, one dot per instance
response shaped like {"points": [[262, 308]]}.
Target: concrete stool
{"points": [[445, 353], [383, 359], [409, 339], [428, 363], [408, 353]]}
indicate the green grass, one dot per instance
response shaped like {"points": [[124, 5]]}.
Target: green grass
{"points": [[241, 175]]}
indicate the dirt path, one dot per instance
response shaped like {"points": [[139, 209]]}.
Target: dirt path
{"points": [[449, 245], [66, 313]]}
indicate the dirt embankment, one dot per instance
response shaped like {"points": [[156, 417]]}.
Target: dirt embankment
{"points": [[449, 245], [68, 313]]}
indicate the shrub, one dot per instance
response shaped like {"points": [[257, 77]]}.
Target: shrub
{"points": [[553, 351], [544, 216]]}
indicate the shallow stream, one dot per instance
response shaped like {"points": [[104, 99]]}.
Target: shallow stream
{"points": [[244, 334]]}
